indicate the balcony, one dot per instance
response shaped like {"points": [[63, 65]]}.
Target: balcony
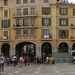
{"points": [[72, 26], [5, 38], [47, 37], [21, 26], [26, 37], [29, 14]]}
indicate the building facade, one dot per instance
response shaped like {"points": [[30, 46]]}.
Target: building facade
{"points": [[36, 26]]}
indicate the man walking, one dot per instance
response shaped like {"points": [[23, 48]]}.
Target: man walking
{"points": [[2, 59]]}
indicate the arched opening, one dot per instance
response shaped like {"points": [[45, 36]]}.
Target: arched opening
{"points": [[73, 46], [5, 49], [46, 50], [26, 48], [63, 47], [73, 49]]}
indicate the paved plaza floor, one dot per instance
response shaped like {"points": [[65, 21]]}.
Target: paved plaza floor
{"points": [[42, 69]]}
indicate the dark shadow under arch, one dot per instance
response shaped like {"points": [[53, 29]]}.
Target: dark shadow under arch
{"points": [[5, 49], [63, 47], [46, 50], [28, 48]]}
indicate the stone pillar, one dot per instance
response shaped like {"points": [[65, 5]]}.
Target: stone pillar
{"points": [[12, 51], [38, 52], [54, 49], [0, 50]]}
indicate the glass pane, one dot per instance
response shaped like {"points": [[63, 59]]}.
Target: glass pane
{"points": [[18, 32], [25, 32]]}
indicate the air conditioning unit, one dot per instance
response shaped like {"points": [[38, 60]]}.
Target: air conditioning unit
{"points": [[4, 37]]}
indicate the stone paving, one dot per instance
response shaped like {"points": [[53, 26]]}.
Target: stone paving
{"points": [[42, 69]]}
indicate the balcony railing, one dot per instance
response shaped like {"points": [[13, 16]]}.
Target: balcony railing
{"points": [[34, 14], [5, 38], [25, 26], [47, 37]]}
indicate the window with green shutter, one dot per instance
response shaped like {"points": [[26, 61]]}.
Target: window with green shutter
{"points": [[5, 23], [63, 34], [5, 33], [25, 11], [45, 10], [46, 21], [5, 13], [63, 11], [73, 11], [63, 21]]}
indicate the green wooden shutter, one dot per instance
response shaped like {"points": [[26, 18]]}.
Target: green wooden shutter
{"points": [[73, 11], [60, 11], [67, 22], [8, 23], [49, 21], [5, 13], [25, 11], [6, 33], [59, 33], [59, 21], [67, 34], [2, 24], [66, 11], [42, 10], [49, 11], [42, 21]]}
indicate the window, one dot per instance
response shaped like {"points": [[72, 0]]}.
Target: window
{"points": [[25, 32], [5, 33], [46, 31], [5, 13], [45, 1], [18, 32], [18, 1], [6, 23], [25, 11], [32, 11], [63, 22], [18, 22], [32, 1], [25, 1], [73, 11], [5, 2], [18, 11], [25, 22], [45, 10], [32, 21], [46, 21], [32, 32], [63, 34], [63, 11]]}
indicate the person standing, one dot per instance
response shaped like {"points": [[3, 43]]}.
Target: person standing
{"points": [[21, 61], [2, 60], [25, 60], [15, 60]]}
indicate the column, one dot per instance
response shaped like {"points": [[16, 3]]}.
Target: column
{"points": [[38, 52], [12, 51]]}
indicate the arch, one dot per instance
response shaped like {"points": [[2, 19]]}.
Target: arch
{"points": [[5, 49], [25, 48], [63, 47], [73, 46], [46, 50]]}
